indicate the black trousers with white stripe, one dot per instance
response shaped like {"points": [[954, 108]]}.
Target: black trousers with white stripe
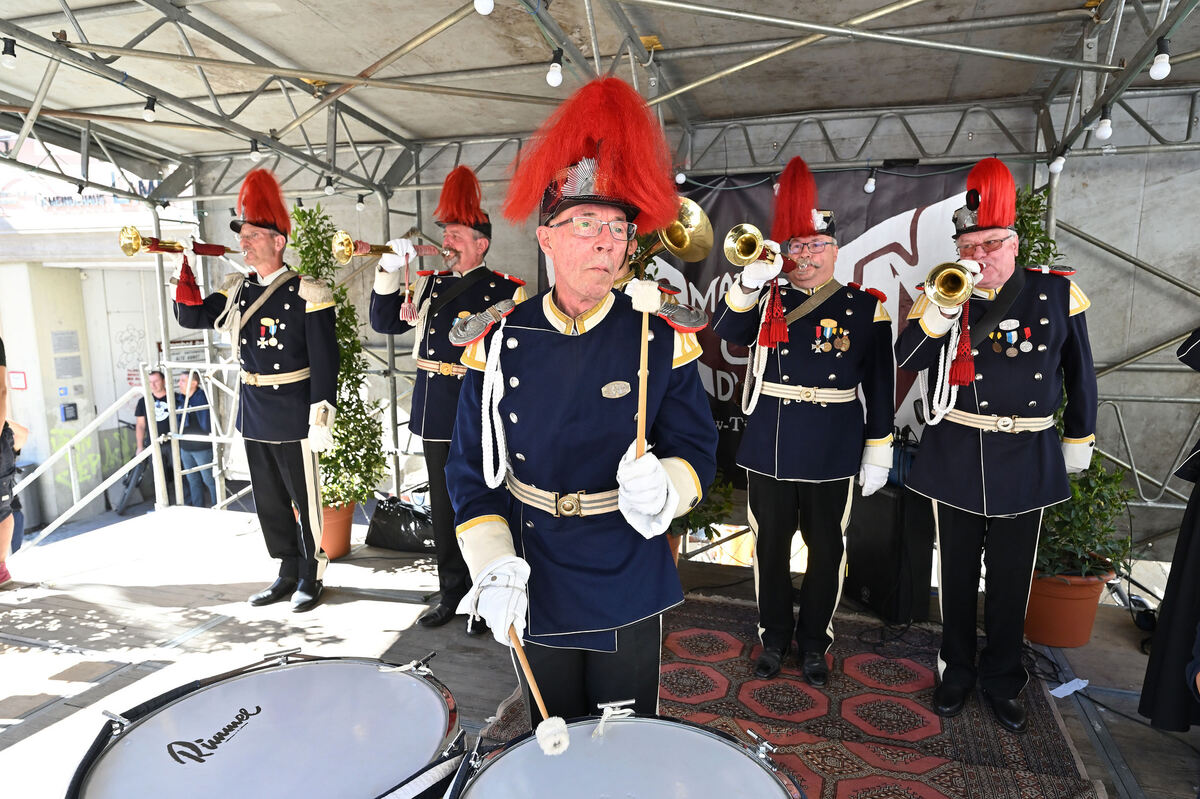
{"points": [[454, 579], [820, 511], [1008, 545], [282, 475], [574, 681]]}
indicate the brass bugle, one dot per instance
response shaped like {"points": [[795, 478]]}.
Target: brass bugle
{"points": [[689, 237], [949, 285], [133, 242], [343, 247], [745, 244]]}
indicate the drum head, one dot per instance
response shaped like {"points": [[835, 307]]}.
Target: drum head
{"points": [[338, 727], [646, 758]]}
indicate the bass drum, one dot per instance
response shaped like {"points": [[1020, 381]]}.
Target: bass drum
{"points": [[648, 757], [340, 727]]}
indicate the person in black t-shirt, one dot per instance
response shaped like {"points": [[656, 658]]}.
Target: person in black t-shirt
{"points": [[158, 390]]}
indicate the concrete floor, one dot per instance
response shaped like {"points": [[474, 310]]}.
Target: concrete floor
{"points": [[107, 619]]}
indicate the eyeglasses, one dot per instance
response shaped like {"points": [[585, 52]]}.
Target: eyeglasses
{"points": [[815, 247], [589, 228], [991, 245]]}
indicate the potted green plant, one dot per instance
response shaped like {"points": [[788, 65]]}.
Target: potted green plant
{"points": [[714, 508], [356, 464], [1079, 549]]}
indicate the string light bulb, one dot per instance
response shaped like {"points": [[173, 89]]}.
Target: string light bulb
{"points": [[328, 185], [148, 112], [9, 57], [484, 7], [1104, 128], [360, 204], [1161, 67], [1056, 166], [680, 178], [255, 153], [554, 74], [869, 186]]}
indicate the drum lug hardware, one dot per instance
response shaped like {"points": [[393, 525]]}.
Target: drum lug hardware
{"points": [[283, 656], [612, 710], [764, 747], [117, 719]]}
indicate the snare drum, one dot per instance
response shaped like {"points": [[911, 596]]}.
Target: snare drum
{"points": [[314, 727], [636, 756]]}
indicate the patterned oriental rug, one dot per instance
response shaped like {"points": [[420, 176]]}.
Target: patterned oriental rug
{"points": [[869, 733]]}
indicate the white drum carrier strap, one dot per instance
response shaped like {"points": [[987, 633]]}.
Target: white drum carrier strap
{"points": [[493, 425]]}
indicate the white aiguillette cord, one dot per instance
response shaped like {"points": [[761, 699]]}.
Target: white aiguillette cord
{"points": [[944, 395], [493, 425]]}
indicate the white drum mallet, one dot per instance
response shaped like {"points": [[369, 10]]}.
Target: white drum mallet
{"points": [[646, 299], [551, 732]]}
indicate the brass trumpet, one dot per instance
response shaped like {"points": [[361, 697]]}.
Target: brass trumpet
{"points": [[745, 244], [949, 285], [133, 242], [344, 247], [689, 237]]}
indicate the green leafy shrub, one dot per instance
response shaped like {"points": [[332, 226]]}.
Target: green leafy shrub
{"points": [[1079, 536]]}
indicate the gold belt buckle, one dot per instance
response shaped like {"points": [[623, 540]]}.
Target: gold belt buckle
{"points": [[568, 505], [249, 378], [445, 368], [1006, 424], [808, 394]]}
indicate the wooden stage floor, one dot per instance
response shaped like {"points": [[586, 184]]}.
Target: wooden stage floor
{"points": [[106, 619]]}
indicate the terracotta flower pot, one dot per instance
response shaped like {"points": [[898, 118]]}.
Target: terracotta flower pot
{"points": [[1062, 608], [335, 532]]}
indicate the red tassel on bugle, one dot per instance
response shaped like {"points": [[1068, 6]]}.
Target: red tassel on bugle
{"points": [[187, 292], [962, 370]]}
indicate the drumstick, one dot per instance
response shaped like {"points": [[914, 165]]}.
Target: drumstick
{"points": [[551, 731], [646, 299]]}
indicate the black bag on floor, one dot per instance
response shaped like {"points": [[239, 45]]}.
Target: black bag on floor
{"points": [[400, 525]]}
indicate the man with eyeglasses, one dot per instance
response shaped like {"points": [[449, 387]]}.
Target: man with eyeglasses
{"points": [[990, 458], [431, 305], [813, 344], [560, 521]]}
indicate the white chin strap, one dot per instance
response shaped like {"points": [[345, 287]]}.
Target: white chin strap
{"points": [[493, 425]]}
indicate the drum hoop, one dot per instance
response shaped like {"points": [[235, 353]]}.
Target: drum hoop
{"points": [[784, 780], [112, 733]]}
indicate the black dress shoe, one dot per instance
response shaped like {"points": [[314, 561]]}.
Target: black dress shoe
{"points": [[436, 617], [814, 668], [949, 698], [768, 663], [1010, 713], [477, 627], [281, 589], [308, 593]]}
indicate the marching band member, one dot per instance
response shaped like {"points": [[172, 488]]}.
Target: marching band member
{"points": [[432, 306], [560, 524], [282, 326], [814, 343], [993, 463]]}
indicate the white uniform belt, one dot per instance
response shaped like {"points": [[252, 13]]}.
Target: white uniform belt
{"points": [[824, 396], [1000, 424], [441, 367], [580, 503], [281, 379]]}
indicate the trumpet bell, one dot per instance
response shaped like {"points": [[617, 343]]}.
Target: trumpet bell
{"points": [[131, 240], [343, 247], [949, 285], [744, 244], [690, 236]]}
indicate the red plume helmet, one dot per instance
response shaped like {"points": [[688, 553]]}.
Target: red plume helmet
{"points": [[603, 146], [796, 211], [460, 203], [260, 203], [991, 199]]}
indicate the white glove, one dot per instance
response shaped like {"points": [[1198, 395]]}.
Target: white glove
{"points": [[973, 269], [1077, 455], [872, 478], [758, 273], [404, 253], [645, 495], [320, 426], [189, 250], [174, 262], [500, 596]]}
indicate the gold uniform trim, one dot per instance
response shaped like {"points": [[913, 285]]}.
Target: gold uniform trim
{"points": [[475, 355], [1086, 440], [886, 441], [687, 349], [1079, 300], [574, 326], [918, 307], [519, 296], [318, 306], [478, 520], [739, 302], [881, 314]]}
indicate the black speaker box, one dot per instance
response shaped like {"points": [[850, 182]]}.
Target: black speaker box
{"points": [[889, 554]]}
